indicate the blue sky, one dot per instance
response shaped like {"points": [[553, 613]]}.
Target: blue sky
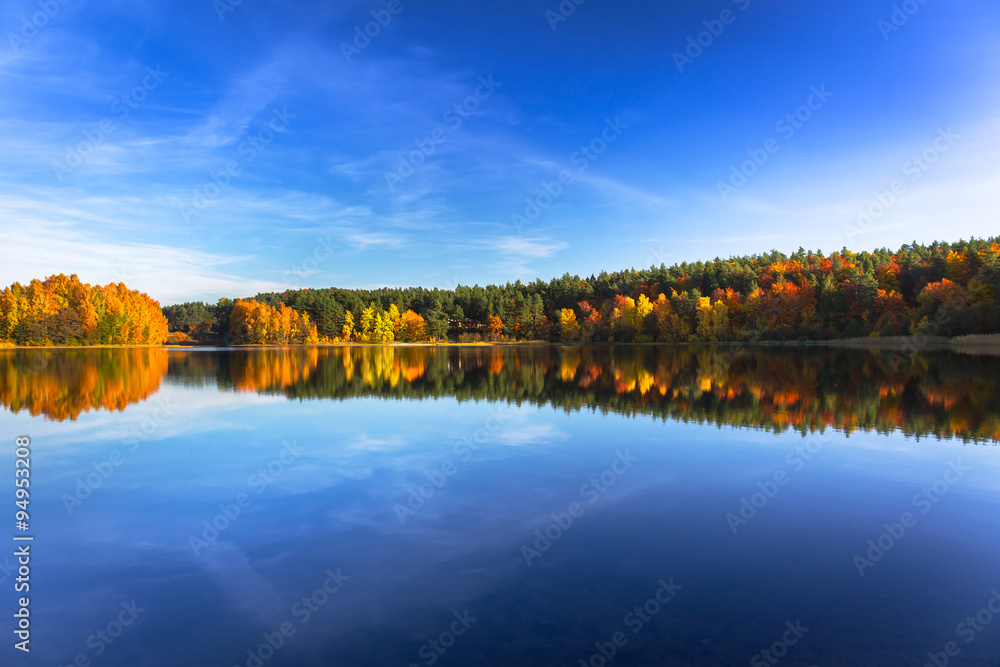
{"points": [[114, 117]]}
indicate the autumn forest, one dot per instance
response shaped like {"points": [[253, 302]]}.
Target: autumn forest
{"points": [[942, 289]]}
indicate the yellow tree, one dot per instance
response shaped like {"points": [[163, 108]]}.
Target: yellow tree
{"points": [[643, 307], [241, 320], [382, 331], [74, 297], [569, 328], [258, 323], [42, 305], [720, 320], [713, 319], [13, 310], [288, 324], [703, 313], [368, 323], [348, 331], [394, 318], [412, 327]]}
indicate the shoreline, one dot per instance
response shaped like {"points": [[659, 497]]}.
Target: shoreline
{"points": [[988, 343]]}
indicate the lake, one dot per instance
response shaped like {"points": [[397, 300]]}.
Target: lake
{"points": [[647, 505]]}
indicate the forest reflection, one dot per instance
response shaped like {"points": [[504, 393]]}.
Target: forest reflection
{"points": [[62, 384], [941, 394]]}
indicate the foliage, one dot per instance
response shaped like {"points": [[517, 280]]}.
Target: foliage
{"points": [[806, 295], [347, 331], [62, 310], [412, 327], [569, 328], [257, 323]]}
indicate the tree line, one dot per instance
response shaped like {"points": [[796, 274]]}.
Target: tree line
{"points": [[62, 310], [946, 289]]}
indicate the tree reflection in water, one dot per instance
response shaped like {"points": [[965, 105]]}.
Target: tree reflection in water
{"points": [[936, 393]]}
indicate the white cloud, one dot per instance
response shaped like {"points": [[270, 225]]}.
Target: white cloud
{"points": [[528, 247], [533, 434], [166, 273], [378, 444], [363, 240]]}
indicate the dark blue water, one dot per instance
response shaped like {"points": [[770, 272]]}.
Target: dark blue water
{"points": [[245, 528]]}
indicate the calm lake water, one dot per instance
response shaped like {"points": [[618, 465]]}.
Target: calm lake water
{"points": [[506, 506]]}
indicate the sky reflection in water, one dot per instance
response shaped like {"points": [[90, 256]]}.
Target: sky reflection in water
{"points": [[197, 429]]}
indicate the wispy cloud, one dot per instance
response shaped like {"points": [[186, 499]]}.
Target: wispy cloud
{"points": [[528, 247], [364, 241], [250, 93], [167, 273], [533, 434], [325, 178]]}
